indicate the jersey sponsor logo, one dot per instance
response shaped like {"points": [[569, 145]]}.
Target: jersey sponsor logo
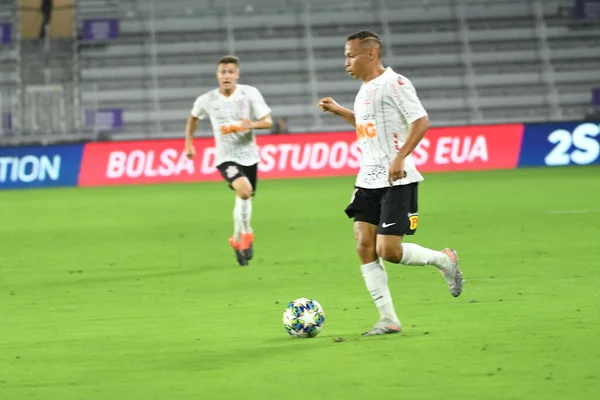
{"points": [[373, 173], [231, 128], [368, 116], [364, 131]]}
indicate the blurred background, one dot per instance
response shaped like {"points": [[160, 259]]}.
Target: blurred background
{"points": [[90, 70]]}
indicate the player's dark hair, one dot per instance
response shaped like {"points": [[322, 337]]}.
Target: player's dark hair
{"points": [[367, 36], [363, 35], [229, 60]]}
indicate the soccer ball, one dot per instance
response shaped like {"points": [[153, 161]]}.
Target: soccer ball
{"points": [[303, 318]]}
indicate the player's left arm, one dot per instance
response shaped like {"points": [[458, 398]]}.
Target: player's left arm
{"points": [[405, 100], [261, 111], [415, 135], [265, 122]]}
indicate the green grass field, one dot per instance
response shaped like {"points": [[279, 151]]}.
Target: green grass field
{"points": [[132, 293]]}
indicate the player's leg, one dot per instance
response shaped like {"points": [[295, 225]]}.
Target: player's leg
{"points": [[400, 217], [365, 212], [234, 175], [245, 193]]}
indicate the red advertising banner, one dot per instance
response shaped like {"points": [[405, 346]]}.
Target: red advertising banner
{"points": [[470, 148], [295, 156]]}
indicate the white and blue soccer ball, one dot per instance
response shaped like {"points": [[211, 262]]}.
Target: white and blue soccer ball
{"points": [[303, 318]]}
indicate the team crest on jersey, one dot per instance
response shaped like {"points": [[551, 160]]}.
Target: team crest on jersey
{"points": [[241, 104], [370, 96], [232, 171]]}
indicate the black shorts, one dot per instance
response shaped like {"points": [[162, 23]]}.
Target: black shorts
{"points": [[393, 209], [231, 171]]}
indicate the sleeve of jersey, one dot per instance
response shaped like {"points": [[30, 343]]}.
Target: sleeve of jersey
{"points": [[199, 108], [404, 98], [260, 108]]}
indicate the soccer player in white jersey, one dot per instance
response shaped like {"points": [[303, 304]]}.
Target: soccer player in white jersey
{"points": [[390, 122], [235, 111]]}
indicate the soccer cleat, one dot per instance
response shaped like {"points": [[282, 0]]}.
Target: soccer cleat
{"points": [[246, 247], [384, 327], [453, 275], [238, 254]]}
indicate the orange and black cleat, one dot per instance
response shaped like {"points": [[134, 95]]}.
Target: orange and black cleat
{"points": [[246, 248], [238, 253]]}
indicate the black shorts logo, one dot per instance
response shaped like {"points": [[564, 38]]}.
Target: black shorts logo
{"points": [[232, 171], [413, 218]]}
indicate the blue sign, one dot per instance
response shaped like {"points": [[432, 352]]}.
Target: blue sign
{"points": [[5, 33], [596, 97], [587, 9], [101, 29], [25, 167], [6, 122], [104, 120], [568, 143]]}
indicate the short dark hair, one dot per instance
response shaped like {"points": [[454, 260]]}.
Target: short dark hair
{"points": [[368, 36], [229, 60], [364, 35]]}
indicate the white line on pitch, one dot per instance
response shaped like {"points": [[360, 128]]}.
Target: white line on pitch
{"points": [[574, 211]]}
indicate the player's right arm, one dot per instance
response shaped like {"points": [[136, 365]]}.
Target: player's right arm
{"points": [[190, 128], [328, 104], [198, 112]]}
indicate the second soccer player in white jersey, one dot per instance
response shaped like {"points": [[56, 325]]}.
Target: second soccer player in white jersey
{"points": [[235, 111], [390, 122]]}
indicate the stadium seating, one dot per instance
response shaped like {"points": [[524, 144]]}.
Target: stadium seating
{"points": [[8, 68], [471, 61]]}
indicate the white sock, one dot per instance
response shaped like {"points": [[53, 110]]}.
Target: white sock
{"points": [[413, 254], [244, 213], [376, 280], [237, 221]]}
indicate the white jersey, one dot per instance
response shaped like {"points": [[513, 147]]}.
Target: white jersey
{"points": [[226, 114], [384, 110]]}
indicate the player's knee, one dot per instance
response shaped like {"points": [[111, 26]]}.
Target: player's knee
{"points": [[365, 249], [244, 193], [389, 253]]}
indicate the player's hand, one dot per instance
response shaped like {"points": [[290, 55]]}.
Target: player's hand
{"points": [[190, 151], [329, 104], [246, 125], [396, 170]]}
